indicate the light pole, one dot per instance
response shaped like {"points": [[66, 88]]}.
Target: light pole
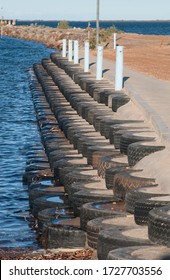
{"points": [[97, 22], [1, 22]]}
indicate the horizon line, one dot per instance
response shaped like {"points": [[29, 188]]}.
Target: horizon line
{"points": [[94, 20]]}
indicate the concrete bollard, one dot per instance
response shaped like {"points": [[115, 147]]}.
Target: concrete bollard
{"points": [[70, 50], [114, 41], [64, 49], [119, 68], [86, 56], [99, 63], [76, 52]]}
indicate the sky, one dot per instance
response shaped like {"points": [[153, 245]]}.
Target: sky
{"points": [[85, 9]]}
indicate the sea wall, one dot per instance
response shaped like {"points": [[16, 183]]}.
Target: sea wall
{"points": [[92, 150]]}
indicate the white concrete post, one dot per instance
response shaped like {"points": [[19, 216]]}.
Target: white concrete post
{"points": [[119, 68], [76, 52], [114, 41], [64, 49], [86, 56], [99, 63], [70, 50]]}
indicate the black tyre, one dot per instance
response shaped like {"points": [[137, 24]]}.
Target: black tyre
{"points": [[137, 151], [111, 239], [129, 138], [97, 155], [143, 207], [92, 210], [107, 123], [48, 215], [99, 118], [105, 149], [82, 197], [118, 100], [116, 137], [37, 175], [103, 223], [42, 191], [63, 234], [44, 202], [39, 166], [77, 176], [106, 162], [140, 253], [159, 226], [124, 181], [145, 192], [78, 186], [110, 175]]}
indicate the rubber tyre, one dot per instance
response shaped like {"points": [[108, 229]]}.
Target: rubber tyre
{"points": [[129, 138], [132, 196], [143, 207], [44, 202], [93, 210], [139, 253], [103, 223], [83, 196], [110, 175], [58, 236], [107, 162], [111, 239], [124, 181], [137, 151], [49, 214], [159, 226]]}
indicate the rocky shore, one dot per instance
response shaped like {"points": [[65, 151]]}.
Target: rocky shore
{"points": [[51, 37]]}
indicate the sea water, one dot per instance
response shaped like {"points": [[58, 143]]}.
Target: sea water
{"points": [[18, 134]]}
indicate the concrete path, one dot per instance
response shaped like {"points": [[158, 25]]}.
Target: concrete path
{"points": [[150, 95]]}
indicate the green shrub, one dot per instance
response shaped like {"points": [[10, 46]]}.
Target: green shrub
{"points": [[104, 35], [63, 24]]}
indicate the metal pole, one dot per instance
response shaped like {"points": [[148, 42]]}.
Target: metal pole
{"points": [[86, 57], [97, 22], [70, 50], [1, 22], [64, 50], [1, 29], [99, 63], [114, 41], [76, 52], [119, 68], [89, 30]]}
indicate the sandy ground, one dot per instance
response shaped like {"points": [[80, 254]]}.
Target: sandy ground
{"points": [[145, 53]]}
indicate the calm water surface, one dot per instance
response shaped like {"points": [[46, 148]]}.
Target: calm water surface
{"points": [[139, 27], [18, 134]]}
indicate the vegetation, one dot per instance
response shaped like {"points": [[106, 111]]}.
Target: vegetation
{"points": [[104, 35], [63, 24]]}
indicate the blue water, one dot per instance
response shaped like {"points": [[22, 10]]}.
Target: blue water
{"points": [[18, 134], [139, 27]]}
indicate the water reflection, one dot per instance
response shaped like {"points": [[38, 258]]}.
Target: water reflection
{"points": [[18, 134]]}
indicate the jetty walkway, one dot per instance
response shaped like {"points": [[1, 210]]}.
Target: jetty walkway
{"points": [[151, 99], [149, 94]]}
